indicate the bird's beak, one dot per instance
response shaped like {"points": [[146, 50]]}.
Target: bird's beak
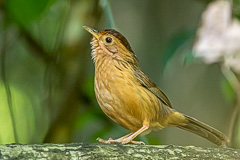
{"points": [[92, 31]]}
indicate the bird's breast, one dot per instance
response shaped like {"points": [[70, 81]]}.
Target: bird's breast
{"points": [[120, 96]]}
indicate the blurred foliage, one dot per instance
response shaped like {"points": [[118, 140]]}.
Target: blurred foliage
{"points": [[26, 11], [236, 8], [227, 90], [22, 107], [182, 40], [47, 64]]}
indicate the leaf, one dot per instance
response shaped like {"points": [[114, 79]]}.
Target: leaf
{"points": [[227, 90], [177, 41], [23, 114], [26, 11], [188, 58]]}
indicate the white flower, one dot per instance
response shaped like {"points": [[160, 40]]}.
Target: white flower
{"points": [[219, 36]]}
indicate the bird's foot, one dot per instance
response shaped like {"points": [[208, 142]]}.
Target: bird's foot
{"points": [[129, 140], [109, 141], [120, 140]]}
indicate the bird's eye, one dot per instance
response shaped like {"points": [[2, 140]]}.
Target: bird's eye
{"points": [[108, 39]]}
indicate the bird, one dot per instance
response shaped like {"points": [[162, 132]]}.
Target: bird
{"points": [[131, 99]]}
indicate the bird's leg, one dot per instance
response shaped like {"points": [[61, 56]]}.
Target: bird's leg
{"points": [[127, 138], [130, 138], [110, 140]]}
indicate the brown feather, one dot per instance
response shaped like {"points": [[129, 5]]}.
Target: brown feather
{"points": [[205, 131], [151, 86], [128, 97]]}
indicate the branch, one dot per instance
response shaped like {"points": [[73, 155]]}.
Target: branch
{"points": [[113, 151], [233, 80]]}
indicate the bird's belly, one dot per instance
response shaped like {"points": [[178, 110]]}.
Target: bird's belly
{"points": [[117, 108], [125, 103]]}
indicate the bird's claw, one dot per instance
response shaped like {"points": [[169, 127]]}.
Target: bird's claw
{"points": [[122, 141], [109, 141]]}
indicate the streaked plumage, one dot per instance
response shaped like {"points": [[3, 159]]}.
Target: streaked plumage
{"points": [[128, 97]]}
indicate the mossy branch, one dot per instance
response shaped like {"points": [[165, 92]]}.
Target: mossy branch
{"points": [[113, 151]]}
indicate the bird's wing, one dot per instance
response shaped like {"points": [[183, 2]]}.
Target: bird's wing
{"points": [[151, 86]]}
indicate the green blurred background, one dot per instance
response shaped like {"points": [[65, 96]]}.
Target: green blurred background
{"points": [[46, 81]]}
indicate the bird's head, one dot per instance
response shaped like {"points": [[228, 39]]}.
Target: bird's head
{"points": [[109, 43]]}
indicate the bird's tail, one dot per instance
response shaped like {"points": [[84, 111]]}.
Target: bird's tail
{"points": [[204, 131]]}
